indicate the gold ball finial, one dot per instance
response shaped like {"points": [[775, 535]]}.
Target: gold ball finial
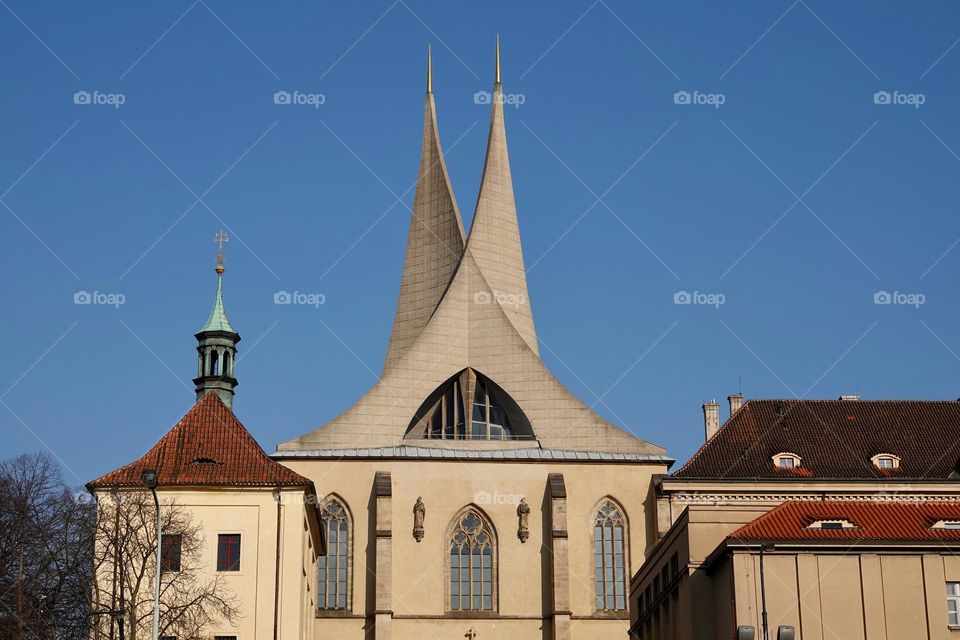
{"points": [[220, 237]]}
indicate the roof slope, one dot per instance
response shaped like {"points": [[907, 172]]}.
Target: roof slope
{"points": [[434, 243], [207, 447], [834, 439], [886, 521]]}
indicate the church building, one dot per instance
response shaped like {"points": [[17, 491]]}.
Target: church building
{"points": [[467, 494]]}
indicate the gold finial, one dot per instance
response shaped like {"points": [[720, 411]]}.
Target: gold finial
{"points": [[429, 71], [498, 59], [220, 237]]}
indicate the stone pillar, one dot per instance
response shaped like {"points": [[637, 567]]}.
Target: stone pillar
{"points": [[383, 614], [561, 557]]}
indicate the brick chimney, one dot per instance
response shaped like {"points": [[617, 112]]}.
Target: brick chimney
{"points": [[736, 401], [711, 418]]}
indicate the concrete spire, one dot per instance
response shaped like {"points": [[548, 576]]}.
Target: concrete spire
{"points": [[435, 241], [495, 233]]}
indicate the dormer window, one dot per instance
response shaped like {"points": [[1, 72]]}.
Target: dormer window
{"points": [[949, 525], [786, 460], [832, 525], [886, 461]]}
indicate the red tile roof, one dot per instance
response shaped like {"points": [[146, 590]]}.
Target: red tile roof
{"points": [[834, 438], [874, 521], [207, 447]]}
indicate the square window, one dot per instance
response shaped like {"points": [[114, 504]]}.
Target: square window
{"points": [[228, 552], [170, 548]]}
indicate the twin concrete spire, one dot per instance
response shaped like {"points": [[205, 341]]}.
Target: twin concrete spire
{"points": [[463, 312], [436, 243]]}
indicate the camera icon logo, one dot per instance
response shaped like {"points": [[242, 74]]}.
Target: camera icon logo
{"points": [[882, 97], [281, 97], [482, 297], [282, 297], [682, 297], [81, 97], [481, 97], [882, 297], [682, 97], [82, 297]]}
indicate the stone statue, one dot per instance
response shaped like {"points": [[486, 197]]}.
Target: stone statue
{"points": [[419, 513], [523, 515]]}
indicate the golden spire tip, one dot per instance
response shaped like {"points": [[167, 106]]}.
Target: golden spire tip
{"points": [[429, 71], [220, 237], [498, 60]]}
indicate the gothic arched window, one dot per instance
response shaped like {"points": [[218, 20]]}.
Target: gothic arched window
{"points": [[333, 569], [472, 563], [609, 543]]}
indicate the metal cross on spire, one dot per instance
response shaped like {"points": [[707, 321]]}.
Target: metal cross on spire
{"points": [[220, 237]]}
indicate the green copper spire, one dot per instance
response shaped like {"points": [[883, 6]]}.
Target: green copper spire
{"points": [[217, 345], [218, 317]]}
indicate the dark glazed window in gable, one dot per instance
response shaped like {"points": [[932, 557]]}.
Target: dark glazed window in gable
{"points": [[470, 406]]}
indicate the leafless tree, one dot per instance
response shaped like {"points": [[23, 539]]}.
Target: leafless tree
{"points": [[46, 536], [192, 597]]}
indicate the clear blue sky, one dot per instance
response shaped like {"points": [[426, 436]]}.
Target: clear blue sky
{"points": [[100, 200]]}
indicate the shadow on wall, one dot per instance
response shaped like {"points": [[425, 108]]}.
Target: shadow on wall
{"points": [[370, 565]]}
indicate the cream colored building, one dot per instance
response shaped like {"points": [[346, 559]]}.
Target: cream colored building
{"points": [[859, 500], [831, 570], [259, 525], [468, 493]]}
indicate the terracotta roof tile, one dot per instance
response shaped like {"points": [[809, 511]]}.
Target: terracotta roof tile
{"points": [[207, 447], [874, 521], [834, 438]]}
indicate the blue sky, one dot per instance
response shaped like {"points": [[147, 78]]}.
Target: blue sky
{"points": [[792, 203]]}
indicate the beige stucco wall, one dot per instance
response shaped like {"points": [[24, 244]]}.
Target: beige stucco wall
{"points": [[843, 593], [894, 594], [418, 576], [253, 514]]}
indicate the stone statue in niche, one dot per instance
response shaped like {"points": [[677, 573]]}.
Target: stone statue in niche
{"points": [[523, 516], [419, 513]]}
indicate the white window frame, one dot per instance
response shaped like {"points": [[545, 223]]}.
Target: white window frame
{"points": [[786, 455], [953, 598], [894, 460]]}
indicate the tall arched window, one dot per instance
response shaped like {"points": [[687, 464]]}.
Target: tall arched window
{"points": [[333, 569], [472, 563], [609, 544]]}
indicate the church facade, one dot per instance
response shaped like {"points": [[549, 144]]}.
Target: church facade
{"points": [[467, 494], [474, 494]]}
